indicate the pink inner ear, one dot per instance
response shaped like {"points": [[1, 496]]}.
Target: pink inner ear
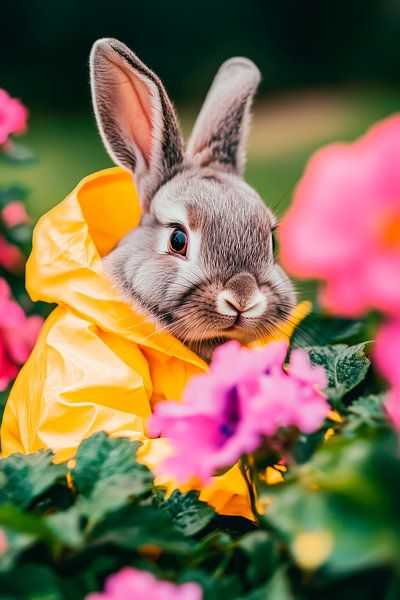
{"points": [[134, 111]]}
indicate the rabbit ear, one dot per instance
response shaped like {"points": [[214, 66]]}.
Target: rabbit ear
{"points": [[220, 133], [135, 117]]}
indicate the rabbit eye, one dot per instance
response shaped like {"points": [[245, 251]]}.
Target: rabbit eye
{"points": [[178, 242]]}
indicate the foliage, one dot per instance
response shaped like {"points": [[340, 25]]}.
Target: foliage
{"points": [[346, 367], [331, 528], [76, 525]]}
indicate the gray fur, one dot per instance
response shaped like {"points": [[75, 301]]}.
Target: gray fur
{"points": [[220, 132], [230, 243]]}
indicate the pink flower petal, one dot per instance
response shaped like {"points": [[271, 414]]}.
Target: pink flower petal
{"points": [[387, 351], [132, 583], [344, 224], [3, 542], [13, 116], [392, 406], [18, 334], [14, 213], [245, 396], [11, 257]]}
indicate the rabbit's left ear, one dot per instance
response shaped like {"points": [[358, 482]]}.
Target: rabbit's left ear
{"points": [[135, 117], [220, 133]]}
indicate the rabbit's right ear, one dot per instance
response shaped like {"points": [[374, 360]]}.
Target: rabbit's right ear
{"points": [[220, 132], [135, 117]]}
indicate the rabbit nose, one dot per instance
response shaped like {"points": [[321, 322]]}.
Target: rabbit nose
{"points": [[241, 296], [227, 304]]}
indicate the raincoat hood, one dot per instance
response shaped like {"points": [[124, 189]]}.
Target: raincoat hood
{"points": [[65, 266], [98, 365]]}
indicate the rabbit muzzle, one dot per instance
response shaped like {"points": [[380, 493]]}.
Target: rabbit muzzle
{"points": [[241, 298]]}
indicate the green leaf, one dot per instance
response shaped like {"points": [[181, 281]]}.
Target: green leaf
{"points": [[186, 510], [213, 588], [262, 553], [305, 445], [12, 193], [17, 543], [218, 543], [361, 544], [278, 588], [30, 582], [134, 526], [112, 493], [320, 330], [25, 478], [342, 505], [3, 400], [15, 518], [22, 531], [346, 367], [100, 461], [17, 152], [65, 527], [366, 411], [20, 234]]}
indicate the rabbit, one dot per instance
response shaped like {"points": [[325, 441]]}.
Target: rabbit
{"points": [[201, 263]]}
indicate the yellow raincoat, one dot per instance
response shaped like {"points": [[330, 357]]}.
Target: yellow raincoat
{"points": [[97, 365]]}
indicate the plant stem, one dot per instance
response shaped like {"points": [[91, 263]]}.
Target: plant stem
{"points": [[248, 476]]}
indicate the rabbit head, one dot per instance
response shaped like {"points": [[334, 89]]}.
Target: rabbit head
{"points": [[201, 262]]}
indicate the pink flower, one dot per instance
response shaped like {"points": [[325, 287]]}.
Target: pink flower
{"points": [[387, 351], [3, 542], [344, 224], [18, 334], [386, 356], [301, 368], [13, 116], [246, 396], [130, 584], [14, 213], [392, 406], [11, 257]]}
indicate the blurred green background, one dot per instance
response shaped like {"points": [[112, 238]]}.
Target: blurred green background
{"points": [[330, 70]]}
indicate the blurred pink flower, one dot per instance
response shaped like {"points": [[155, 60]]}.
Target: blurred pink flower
{"points": [[3, 542], [392, 406], [387, 351], [13, 116], [130, 583], [18, 334], [386, 356], [246, 395], [11, 257], [14, 213], [344, 224]]}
